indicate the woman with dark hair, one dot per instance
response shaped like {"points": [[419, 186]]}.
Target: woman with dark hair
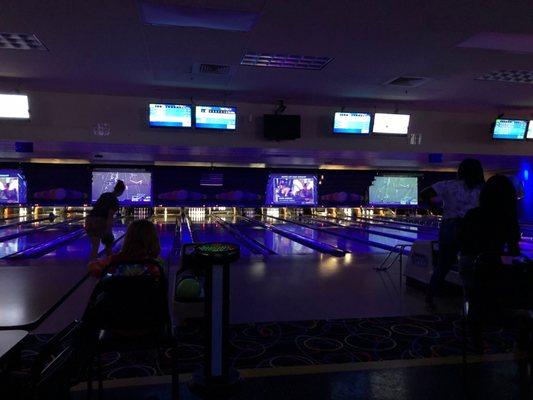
{"points": [[457, 196], [493, 226], [485, 234]]}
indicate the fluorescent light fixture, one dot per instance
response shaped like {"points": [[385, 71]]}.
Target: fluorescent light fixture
{"points": [[58, 161], [14, 106], [397, 124]]}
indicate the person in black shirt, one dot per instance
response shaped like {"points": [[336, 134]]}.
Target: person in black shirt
{"points": [[485, 234], [99, 223]]}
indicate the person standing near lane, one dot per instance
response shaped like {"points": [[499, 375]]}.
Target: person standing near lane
{"points": [[99, 223], [457, 196]]}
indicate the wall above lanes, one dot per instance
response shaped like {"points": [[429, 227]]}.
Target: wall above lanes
{"points": [[65, 122]]}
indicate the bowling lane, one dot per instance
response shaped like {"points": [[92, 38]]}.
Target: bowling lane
{"points": [[359, 241], [209, 231], [8, 231], [408, 234], [12, 246], [274, 241]]}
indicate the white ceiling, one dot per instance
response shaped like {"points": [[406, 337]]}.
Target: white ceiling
{"points": [[104, 47]]}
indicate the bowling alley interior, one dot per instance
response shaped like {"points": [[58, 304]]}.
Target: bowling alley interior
{"points": [[266, 199]]}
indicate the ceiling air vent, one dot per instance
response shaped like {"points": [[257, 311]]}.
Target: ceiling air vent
{"points": [[20, 41], [508, 75], [407, 81], [285, 61], [211, 69]]}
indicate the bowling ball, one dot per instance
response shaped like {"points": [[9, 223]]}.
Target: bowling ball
{"points": [[188, 288], [51, 216]]}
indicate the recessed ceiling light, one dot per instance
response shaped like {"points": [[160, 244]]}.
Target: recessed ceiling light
{"points": [[285, 61], [20, 41], [508, 75]]}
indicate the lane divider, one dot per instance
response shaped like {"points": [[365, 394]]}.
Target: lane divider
{"points": [[42, 228]]}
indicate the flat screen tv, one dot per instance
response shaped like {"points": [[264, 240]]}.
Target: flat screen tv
{"points": [[511, 129], [14, 106], [393, 191], [12, 187], [352, 123], [215, 117], [393, 124], [138, 186], [530, 130], [291, 190], [170, 115]]}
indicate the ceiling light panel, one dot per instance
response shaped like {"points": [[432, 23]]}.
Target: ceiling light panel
{"points": [[508, 75], [20, 41], [285, 61]]}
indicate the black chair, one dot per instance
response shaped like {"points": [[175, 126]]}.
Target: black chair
{"points": [[494, 293], [55, 370], [128, 313]]}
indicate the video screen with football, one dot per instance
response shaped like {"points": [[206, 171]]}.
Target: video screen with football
{"points": [[352, 123], [295, 190], [214, 117], [170, 115], [393, 191], [138, 186], [512, 129], [12, 187]]}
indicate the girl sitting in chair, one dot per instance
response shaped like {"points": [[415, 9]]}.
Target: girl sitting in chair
{"points": [[139, 254]]}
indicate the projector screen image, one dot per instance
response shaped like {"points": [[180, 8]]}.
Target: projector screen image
{"points": [[295, 190], [212, 117], [513, 129], [530, 130], [14, 106], [393, 191], [12, 187], [397, 124], [170, 115], [138, 186], [352, 123]]}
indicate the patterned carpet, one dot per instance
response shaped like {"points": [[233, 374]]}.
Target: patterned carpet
{"points": [[268, 345]]}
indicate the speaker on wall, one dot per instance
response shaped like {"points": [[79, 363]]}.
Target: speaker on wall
{"points": [[281, 127]]}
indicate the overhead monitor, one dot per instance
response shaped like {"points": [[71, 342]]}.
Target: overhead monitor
{"points": [[138, 186], [12, 187], [511, 129], [281, 127], [170, 115], [393, 191], [215, 117], [14, 106], [394, 124], [530, 130], [291, 190], [352, 123]]}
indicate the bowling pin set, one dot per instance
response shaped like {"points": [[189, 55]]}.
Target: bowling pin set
{"points": [[142, 212], [197, 213]]}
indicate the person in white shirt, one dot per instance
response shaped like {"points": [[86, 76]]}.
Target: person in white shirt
{"points": [[457, 196]]}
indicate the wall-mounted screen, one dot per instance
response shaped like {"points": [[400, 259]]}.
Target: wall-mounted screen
{"points": [[14, 106], [138, 186], [396, 124], [170, 115], [530, 130], [512, 129], [291, 190], [12, 187], [393, 191], [352, 123], [214, 117]]}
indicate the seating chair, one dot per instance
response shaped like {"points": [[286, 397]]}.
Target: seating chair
{"points": [[128, 313]]}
